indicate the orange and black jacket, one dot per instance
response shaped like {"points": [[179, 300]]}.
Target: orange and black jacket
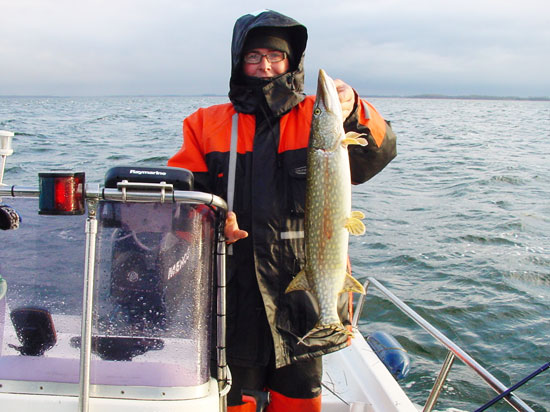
{"points": [[274, 121]]}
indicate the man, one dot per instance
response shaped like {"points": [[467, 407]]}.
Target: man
{"points": [[269, 118]]}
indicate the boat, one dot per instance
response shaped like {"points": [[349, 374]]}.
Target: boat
{"points": [[112, 298]]}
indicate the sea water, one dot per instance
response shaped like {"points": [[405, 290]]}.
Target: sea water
{"points": [[458, 224]]}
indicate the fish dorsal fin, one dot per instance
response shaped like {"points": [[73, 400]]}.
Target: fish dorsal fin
{"points": [[300, 282], [354, 224], [352, 285], [354, 138]]}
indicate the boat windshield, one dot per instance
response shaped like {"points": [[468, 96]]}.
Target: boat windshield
{"points": [[152, 295]]}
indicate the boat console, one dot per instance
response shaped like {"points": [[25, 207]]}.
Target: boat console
{"points": [[141, 320]]}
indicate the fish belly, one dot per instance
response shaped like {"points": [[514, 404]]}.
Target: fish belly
{"points": [[328, 205]]}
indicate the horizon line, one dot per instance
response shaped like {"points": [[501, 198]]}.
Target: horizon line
{"points": [[412, 96]]}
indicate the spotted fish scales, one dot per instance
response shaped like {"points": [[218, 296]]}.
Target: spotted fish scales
{"points": [[329, 219]]}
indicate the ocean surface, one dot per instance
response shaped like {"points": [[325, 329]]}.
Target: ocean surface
{"points": [[458, 225]]}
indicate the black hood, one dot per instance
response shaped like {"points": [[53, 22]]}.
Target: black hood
{"points": [[281, 93]]}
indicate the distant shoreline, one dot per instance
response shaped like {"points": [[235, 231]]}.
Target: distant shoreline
{"points": [[469, 97], [417, 96]]}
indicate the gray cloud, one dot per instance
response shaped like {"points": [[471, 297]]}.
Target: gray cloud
{"points": [[181, 47]]}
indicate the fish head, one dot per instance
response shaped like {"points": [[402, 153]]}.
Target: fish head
{"points": [[327, 128]]}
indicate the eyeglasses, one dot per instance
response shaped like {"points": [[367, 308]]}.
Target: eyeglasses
{"points": [[272, 57]]}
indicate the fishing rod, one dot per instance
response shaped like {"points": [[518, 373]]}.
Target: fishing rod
{"points": [[514, 387]]}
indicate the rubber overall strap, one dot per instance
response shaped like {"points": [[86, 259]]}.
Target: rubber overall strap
{"points": [[232, 161], [232, 168]]}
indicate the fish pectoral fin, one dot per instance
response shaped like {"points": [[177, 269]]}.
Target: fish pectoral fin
{"points": [[300, 282], [355, 139], [354, 224], [352, 285]]}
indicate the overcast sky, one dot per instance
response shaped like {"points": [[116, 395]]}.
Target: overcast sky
{"points": [[380, 47]]}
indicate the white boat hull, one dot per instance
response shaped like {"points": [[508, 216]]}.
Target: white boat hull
{"points": [[13, 402], [354, 380]]}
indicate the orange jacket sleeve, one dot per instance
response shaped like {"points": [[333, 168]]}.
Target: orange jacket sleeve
{"points": [[367, 161], [191, 155]]}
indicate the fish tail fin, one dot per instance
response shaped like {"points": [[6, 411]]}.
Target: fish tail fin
{"points": [[354, 138], [354, 224], [299, 282], [323, 330]]}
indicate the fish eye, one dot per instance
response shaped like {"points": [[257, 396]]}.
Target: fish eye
{"points": [[317, 111]]}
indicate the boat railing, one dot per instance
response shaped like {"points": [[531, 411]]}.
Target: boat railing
{"points": [[454, 351]]}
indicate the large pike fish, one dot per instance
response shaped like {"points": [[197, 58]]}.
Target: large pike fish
{"points": [[329, 219]]}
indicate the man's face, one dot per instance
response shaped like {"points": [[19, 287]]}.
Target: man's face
{"points": [[265, 69]]}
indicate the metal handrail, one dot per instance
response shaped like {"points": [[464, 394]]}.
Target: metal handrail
{"points": [[93, 191], [453, 348]]}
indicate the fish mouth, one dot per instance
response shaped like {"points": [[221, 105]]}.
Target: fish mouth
{"points": [[327, 95]]}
